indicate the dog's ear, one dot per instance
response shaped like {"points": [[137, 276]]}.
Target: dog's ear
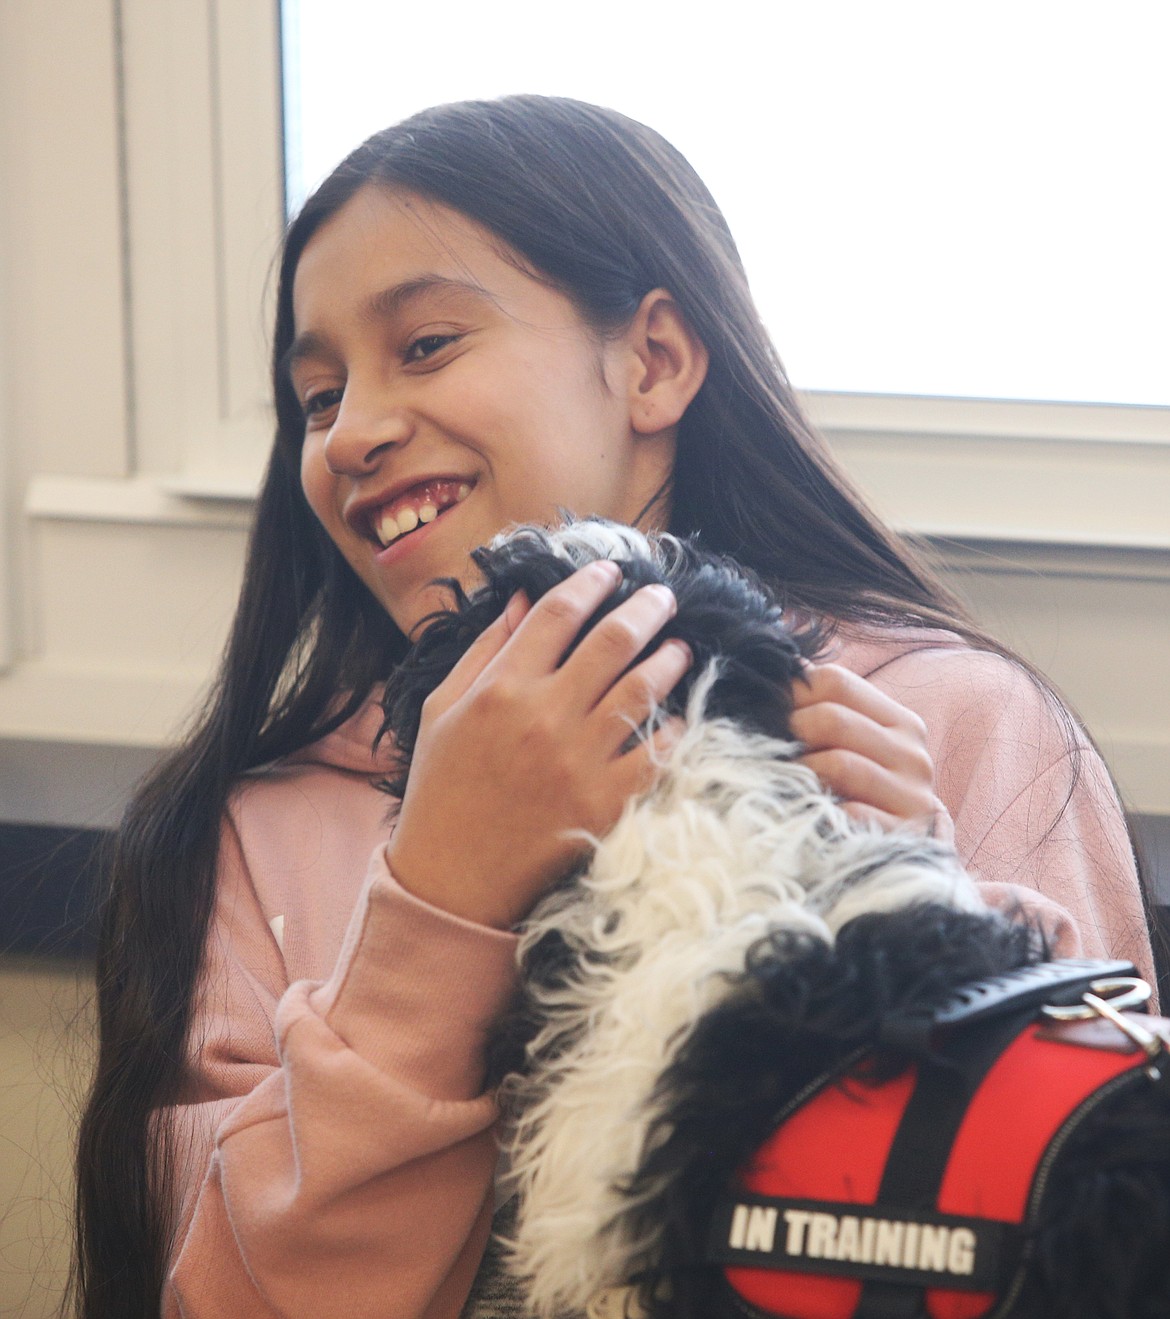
{"points": [[727, 614]]}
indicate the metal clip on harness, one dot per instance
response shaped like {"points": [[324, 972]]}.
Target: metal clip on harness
{"points": [[1123, 992]]}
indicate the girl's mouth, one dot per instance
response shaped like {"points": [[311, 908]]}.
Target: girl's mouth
{"points": [[421, 504]]}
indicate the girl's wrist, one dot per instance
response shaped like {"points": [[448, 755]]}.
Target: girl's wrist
{"points": [[450, 889]]}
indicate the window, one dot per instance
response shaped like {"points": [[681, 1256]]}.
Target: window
{"points": [[938, 200]]}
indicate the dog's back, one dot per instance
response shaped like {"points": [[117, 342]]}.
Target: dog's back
{"points": [[1094, 1227]]}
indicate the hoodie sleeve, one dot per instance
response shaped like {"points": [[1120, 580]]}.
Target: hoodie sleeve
{"points": [[1035, 813], [336, 1154]]}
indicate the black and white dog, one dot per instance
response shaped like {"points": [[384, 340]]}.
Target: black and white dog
{"points": [[742, 979]]}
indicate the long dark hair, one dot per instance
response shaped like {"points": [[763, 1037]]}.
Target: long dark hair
{"points": [[605, 210]]}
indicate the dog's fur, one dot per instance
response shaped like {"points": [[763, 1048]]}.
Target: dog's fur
{"points": [[735, 891]]}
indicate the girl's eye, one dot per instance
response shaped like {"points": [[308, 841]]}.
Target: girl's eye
{"points": [[317, 404], [426, 345]]}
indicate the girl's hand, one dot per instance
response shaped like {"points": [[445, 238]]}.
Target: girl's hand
{"points": [[868, 749], [516, 748]]}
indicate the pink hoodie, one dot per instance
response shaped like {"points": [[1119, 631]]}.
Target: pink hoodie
{"points": [[337, 1151]]}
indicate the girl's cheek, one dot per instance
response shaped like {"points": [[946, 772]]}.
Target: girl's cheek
{"points": [[315, 477]]}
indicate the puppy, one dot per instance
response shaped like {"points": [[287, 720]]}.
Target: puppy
{"points": [[639, 1069]]}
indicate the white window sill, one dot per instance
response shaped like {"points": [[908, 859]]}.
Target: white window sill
{"points": [[936, 468]]}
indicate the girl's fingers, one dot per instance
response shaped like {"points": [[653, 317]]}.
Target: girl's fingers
{"points": [[937, 824], [865, 747], [871, 815], [532, 638], [832, 684], [553, 623], [895, 747], [860, 781], [482, 651], [596, 667], [635, 696]]}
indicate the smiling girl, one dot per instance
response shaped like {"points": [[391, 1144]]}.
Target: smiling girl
{"points": [[489, 314]]}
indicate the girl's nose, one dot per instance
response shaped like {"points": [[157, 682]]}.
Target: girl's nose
{"points": [[361, 436]]}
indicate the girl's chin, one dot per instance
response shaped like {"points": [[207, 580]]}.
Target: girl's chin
{"points": [[411, 613]]}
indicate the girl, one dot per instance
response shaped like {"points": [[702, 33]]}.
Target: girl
{"points": [[489, 313]]}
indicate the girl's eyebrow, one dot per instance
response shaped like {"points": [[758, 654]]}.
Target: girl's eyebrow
{"points": [[388, 302], [382, 306]]}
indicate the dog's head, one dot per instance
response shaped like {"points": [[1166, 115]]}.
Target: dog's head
{"points": [[725, 614]]}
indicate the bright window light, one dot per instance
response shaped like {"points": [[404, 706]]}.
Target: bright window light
{"points": [[967, 200]]}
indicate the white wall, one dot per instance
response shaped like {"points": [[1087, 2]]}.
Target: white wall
{"points": [[140, 207], [139, 211]]}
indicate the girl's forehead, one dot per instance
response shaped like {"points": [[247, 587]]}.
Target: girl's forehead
{"points": [[383, 236]]}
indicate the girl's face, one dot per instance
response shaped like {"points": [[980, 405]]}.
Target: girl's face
{"points": [[448, 394]]}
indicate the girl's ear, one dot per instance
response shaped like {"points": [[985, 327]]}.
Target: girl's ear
{"points": [[668, 363]]}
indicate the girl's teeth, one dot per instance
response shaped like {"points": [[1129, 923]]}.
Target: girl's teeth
{"points": [[388, 528], [391, 526]]}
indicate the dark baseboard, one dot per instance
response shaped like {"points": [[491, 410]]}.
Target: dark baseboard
{"points": [[49, 879], [48, 885]]}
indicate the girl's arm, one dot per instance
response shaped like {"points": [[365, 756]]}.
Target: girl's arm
{"points": [[967, 744], [1032, 801], [336, 1147]]}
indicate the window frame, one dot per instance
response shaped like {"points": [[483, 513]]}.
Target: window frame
{"points": [[203, 154]]}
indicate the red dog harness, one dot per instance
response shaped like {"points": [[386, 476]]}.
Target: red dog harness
{"points": [[910, 1197]]}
